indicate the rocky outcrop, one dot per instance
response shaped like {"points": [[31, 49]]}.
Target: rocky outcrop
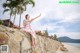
{"points": [[20, 42]]}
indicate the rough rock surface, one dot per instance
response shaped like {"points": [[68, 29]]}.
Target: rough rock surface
{"points": [[17, 37]]}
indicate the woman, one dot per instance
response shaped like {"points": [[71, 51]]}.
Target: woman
{"points": [[27, 28]]}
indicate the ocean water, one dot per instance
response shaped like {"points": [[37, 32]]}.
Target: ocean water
{"points": [[74, 44]]}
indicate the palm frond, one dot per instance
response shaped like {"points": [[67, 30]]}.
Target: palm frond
{"points": [[13, 3], [5, 10], [9, 0], [19, 9], [5, 5], [26, 2], [32, 2]]}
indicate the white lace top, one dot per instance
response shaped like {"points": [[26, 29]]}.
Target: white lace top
{"points": [[27, 26]]}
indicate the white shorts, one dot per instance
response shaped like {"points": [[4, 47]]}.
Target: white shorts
{"points": [[30, 31]]}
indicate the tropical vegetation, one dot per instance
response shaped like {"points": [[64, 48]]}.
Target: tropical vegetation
{"points": [[16, 7], [1, 22]]}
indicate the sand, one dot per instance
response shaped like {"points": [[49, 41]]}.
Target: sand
{"points": [[71, 49]]}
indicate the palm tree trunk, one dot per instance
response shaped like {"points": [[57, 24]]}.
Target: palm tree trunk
{"points": [[20, 20], [9, 21], [14, 20]]}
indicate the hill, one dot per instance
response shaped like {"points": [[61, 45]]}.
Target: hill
{"points": [[69, 40]]}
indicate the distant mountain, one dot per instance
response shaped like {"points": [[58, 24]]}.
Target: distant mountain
{"points": [[69, 40]]}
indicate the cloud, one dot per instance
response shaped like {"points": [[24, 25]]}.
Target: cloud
{"points": [[58, 14], [58, 18]]}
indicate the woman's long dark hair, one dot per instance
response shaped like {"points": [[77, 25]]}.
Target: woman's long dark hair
{"points": [[26, 15]]}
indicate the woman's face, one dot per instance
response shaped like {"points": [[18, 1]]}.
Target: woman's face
{"points": [[27, 17]]}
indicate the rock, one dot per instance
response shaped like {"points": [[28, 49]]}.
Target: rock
{"points": [[20, 41], [62, 48], [3, 38], [38, 32]]}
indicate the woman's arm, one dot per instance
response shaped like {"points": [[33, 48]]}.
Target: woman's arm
{"points": [[36, 17]]}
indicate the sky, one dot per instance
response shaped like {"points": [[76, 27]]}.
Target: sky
{"points": [[60, 19]]}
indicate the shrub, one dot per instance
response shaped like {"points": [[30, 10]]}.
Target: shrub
{"points": [[1, 22]]}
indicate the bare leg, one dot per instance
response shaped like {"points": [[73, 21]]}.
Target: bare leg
{"points": [[34, 41]]}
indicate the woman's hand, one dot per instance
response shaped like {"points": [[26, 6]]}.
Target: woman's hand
{"points": [[36, 17], [39, 15]]}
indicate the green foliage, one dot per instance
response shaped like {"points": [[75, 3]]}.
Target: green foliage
{"points": [[32, 2], [46, 32], [5, 10], [1, 22], [55, 37], [17, 7]]}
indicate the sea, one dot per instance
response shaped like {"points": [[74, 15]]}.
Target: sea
{"points": [[74, 44]]}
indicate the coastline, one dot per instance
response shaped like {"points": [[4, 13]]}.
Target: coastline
{"points": [[73, 44], [71, 49]]}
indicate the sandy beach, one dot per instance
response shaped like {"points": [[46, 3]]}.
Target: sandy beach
{"points": [[71, 49]]}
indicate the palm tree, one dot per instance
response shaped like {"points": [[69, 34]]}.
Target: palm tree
{"points": [[22, 7], [14, 19], [19, 10], [9, 9], [26, 2]]}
